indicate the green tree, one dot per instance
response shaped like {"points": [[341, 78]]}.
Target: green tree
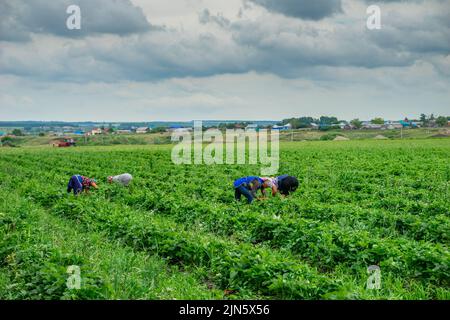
{"points": [[441, 121], [305, 122], [7, 142], [423, 117], [295, 123], [328, 120], [377, 121], [17, 132], [159, 129], [356, 123]]}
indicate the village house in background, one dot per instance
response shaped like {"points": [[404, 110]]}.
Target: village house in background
{"points": [[180, 129], [282, 128], [251, 126], [142, 130], [95, 131], [324, 123]]}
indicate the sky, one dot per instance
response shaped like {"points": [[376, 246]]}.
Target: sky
{"points": [[180, 60]]}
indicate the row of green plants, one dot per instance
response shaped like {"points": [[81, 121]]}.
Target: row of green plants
{"points": [[335, 222], [412, 223], [323, 244], [36, 249], [35, 269], [237, 266], [230, 265]]}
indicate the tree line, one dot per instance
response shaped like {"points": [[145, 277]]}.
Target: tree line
{"points": [[308, 122]]}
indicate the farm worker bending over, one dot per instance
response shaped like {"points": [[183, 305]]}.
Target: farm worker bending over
{"points": [[271, 183], [79, 183], [123, 179], [247, 186], [283, 184]]}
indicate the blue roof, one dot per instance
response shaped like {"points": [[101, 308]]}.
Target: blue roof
{"points": [[406, 123], [285, 127]]}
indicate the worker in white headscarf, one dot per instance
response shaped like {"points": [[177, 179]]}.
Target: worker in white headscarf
{"points": [[123, 179]]}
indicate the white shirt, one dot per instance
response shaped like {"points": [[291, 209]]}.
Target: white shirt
{"points": [[272, 181], [124, 179]]}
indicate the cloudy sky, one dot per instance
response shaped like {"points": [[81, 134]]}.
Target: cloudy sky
{"points": [[145, 60]]}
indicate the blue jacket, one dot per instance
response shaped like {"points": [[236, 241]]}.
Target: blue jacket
{"points": [[75, 184], [245, 181]]}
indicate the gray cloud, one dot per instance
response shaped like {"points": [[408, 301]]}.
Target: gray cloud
{"points": [[206, 17], [289, 48], [422, 32], [287, 51], [305, 9], [258, 64], [20, 18]]}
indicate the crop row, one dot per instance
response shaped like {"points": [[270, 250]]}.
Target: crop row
{"points": [[36, 248], [230, 265], [379, 221], [36, 268], [416, 214], [325, 245]]}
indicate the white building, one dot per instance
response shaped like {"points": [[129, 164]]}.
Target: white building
{"points": [[142, 130], [393, 125], [95, 131], [370, 125]]}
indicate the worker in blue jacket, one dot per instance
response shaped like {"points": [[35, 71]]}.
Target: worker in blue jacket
{"points": [[247, 186], [79, 183]]}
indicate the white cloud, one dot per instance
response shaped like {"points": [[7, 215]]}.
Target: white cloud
{"points": [[231, 59]]}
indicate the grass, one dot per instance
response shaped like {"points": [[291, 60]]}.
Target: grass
{"points": [[178, 233], [41, 244]]}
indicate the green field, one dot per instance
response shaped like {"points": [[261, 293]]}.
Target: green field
{"points": [[286, 136], [177, 232]]}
